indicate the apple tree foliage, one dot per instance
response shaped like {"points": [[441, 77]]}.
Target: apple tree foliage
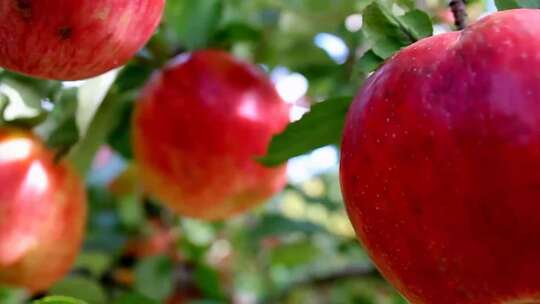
{"points": [[298, 248]]}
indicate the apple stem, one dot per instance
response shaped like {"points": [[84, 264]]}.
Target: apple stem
{"points": [[459, 10]]}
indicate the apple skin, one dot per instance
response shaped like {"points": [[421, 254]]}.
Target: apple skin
{"points": [[76, 39], [198, 128], [42, 213], [440, 164]]}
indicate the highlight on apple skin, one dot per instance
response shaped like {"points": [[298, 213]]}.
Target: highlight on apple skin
{"points": [[42, 213], [440, 165], [73, 40], [198, 128]]}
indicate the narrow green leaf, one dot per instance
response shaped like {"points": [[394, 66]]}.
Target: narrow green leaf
{"points": [[102, 124], [506, 4], [512, 4], [134, 298], [59, 300], [276, 225], [91, 94], [293, 254], [81, 288], [321, 126]]}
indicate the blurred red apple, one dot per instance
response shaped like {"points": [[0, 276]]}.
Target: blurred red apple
{"points": [[440, 165], [199, 126], [76, 39], [42, 213]]}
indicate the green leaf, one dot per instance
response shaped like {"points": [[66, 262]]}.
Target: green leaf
{"points": [[368, 62], [418, 23], [23, 106], [506, 4], [408, 4], [81, 288], [12, 295], [43, 88], [131, 79], [91, 94], [237, 31], [206, 301], [130, 211], [59, 300], [198, 232], [102, 124], [154, 277], [295, 253], [97, 263], [134, 298], [61, 124], [120, 137], [512, 4], [207, 279], [276, 225], [383, 31], [321, 126], [194, 22], [388, 33]]}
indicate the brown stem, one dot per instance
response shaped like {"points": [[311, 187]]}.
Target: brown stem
{"points": [[459, 10]]}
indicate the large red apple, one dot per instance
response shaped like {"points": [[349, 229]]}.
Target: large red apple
{"points": [[42, 213], [440, 165], [199, 126], [76, 39]]}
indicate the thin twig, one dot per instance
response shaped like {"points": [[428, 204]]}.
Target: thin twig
{"points": [[459, 10]]}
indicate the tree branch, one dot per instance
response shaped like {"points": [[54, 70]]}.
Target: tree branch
{"points": [[459, 10], [358, 272]]}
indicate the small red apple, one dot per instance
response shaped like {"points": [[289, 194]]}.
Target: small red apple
{"points": [[440, 165], [76, 39], [42, 213], [199, 126]]}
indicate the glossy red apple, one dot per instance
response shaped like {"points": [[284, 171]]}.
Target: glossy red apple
{"points": [[76, 39], [199, 126], [42, 213], [440, 165]]}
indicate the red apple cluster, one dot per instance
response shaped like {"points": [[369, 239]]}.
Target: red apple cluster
{"points": [[198, 128]]}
